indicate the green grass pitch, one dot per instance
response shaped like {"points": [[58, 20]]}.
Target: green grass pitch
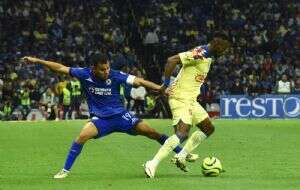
{"points": [[256, 154]]}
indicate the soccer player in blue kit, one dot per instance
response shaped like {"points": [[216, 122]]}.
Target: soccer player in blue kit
{"points": [[101, 86]]}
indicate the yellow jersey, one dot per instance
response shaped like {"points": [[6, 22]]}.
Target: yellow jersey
{"points": [[186, 86]]}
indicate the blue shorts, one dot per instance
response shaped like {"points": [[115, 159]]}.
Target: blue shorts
{"points": [[123, 122]]}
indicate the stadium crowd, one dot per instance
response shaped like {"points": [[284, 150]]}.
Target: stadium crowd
{"points": [[138, 36]]}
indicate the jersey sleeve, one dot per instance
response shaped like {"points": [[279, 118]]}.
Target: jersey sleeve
{"points": [[194, 56], [187, 58], [78, 72], [125, 78]]}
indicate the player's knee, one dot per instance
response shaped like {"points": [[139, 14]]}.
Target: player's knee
{"points": [[210, 129], [82, 138], [182, 136], [182, 131], [207, 127]]}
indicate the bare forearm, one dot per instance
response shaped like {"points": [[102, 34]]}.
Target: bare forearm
{"points": [[169, 68], [146, 84], [150, 85], [56, 67]]}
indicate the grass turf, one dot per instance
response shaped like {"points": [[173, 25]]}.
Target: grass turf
{"points": [[256, 154]]}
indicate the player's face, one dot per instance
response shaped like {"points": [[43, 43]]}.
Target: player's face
{"points": [[101, 71]]}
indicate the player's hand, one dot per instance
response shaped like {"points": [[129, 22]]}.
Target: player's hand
{"points": [[168, 91], [162, 89], [165, 91], [28, 59]]}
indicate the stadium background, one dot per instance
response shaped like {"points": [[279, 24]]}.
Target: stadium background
{"points": [[138, 36]]}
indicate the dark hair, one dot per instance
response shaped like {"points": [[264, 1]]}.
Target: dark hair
{"points": [[222, 35], [98, 58]]}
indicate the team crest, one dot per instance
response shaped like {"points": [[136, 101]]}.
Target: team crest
{"points": [[108, 82]]}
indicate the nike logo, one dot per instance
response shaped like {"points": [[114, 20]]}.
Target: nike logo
{"points": [[90, 80]]}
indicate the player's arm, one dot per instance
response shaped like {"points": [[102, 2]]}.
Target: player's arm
{"points": [[169, 68], [145, 83], [56, 67]]}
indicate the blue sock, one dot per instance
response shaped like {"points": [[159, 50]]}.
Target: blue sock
{"points": [[162, 140], [73, 153]]}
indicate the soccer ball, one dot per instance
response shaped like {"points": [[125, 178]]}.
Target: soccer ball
{"points": [[211, 166]]}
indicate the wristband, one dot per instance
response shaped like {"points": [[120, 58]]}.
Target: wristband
{"points": [[167, 82]]}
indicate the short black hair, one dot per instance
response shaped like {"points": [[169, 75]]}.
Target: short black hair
{"points": [[98, 58]]}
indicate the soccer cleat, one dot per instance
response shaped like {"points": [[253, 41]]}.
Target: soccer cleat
{"points": [[192, 157], [61, 174], [180, 163], [149, 169]]}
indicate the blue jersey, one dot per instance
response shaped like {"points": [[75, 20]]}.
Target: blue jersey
{"points": [[103, 96]]}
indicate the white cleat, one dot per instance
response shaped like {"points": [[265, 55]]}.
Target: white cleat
{"points": [[61, 174], [192, 157], [180, 163], [149, 169]]}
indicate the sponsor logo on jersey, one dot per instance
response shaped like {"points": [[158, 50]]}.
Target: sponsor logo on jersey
{"points": [[200, 78], [100, 91]]}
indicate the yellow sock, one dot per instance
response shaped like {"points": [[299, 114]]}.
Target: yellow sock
{"points": [[195, 139], [166, 148]]}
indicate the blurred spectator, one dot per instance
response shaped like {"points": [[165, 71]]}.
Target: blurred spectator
{"points": [[49, 102], [266, 83], [138, 95], [284, 86], [151, 38], [268, 64], [75, 97], [297, 69], [151, 41], [67, 101], [6, 113], [297, 87], [127, 95], [206, 95], [117, 37], [25, 101], [254, 89], [237, 88]]}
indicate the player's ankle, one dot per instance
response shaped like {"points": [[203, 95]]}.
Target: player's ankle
{"points": [[65, 170], [182, 154]]}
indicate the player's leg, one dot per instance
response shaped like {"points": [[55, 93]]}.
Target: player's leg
{"points": [[143, 129], [132, 125], [205, 129], [182, 120], [181, 134], [89, 131]]}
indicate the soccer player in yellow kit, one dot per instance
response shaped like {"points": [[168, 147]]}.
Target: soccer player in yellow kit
{"points": [[186, 111]]}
